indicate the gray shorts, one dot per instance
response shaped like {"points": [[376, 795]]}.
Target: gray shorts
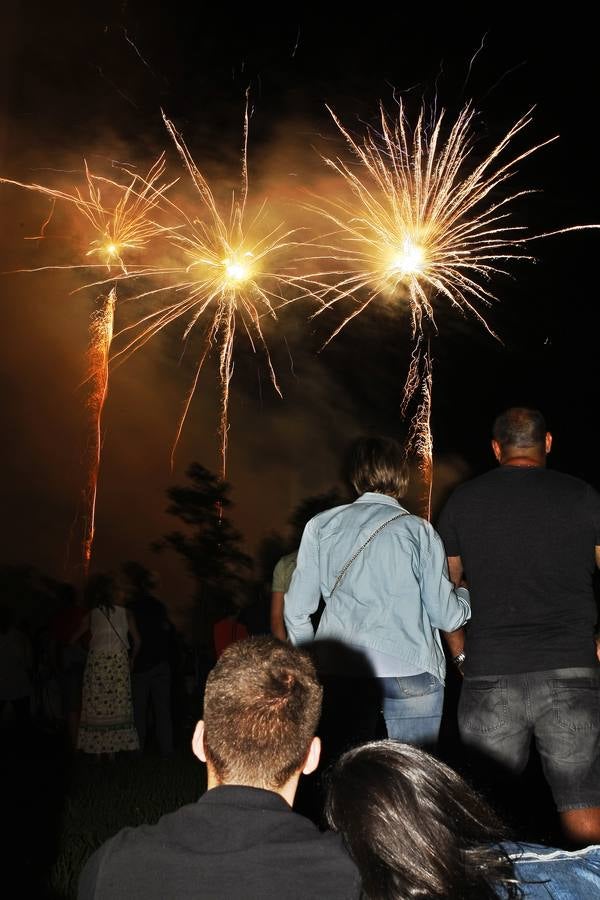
{"points": [[499, 714]]}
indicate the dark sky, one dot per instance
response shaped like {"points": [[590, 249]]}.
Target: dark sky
{"points": [[90, 79]]}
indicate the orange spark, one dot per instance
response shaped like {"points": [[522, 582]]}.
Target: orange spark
{"points": [[101, 333]]}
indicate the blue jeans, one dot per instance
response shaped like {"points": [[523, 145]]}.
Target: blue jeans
{"points": [[499, 714], [412, 708]]}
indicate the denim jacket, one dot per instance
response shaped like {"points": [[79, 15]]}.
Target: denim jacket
{"points": [[543, 872], [392, 599]]}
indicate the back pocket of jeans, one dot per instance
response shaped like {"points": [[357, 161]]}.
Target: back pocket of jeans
{"points": [[483, 705], [576, 703]]}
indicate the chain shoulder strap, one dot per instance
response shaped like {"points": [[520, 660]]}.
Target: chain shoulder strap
{"points": [[107, 617], [347, 565]]}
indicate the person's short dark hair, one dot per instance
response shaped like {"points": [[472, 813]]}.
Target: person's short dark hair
{"points": [[519, 426], [414, 827], [378, 464], [262, 705]]}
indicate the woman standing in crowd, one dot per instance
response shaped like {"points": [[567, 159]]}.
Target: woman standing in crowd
{"points": [[106, 724], [416, 829], [383, 576]]}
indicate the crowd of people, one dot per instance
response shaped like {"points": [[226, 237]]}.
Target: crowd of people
{"points": [[98, 671], [351, 683], [359, 617], [402, 823]]}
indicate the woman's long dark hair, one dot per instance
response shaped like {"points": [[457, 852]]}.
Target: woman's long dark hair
{"points": [[414, 828]]}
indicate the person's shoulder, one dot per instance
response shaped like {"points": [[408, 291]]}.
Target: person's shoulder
{"points": [[282, 573], [279, 565], [569, 482], [126, 854], [412, 523], [143, 837], [573, 492], [471, 486], [284, 562], [329, 860], [327, 517]]}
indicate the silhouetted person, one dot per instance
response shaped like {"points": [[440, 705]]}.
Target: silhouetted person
{"points": [[282, 577], [227, 630], [528, 539], [70, 660], [151, 672], [106, 724]]}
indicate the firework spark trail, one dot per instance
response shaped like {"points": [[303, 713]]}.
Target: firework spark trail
{"points": [[231, 277], [126, 226], [101, 333], [420, 441], [424, 221]]}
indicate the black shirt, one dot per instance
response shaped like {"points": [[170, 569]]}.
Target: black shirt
{"points": [[235, 842], [526, 538], [155, 633]]}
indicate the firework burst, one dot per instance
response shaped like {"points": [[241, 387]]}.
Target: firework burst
{"points": [[424, 222], [232, 277], [114, 230]]}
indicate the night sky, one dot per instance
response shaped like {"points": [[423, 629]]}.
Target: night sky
{"points": [[90, 80]]}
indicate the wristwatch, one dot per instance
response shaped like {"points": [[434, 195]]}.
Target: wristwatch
{"points": [[459, 659]]}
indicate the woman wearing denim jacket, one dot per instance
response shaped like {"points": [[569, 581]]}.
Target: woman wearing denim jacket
{"points": [[383, 576], [416, 829]]}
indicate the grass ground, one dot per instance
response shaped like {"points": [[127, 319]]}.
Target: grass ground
{"points": [[60, 808], [104, 798]]}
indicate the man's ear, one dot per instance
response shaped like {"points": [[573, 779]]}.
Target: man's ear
{"points": [[548, 442], [198, 741], [497, 450], [313, 756]]}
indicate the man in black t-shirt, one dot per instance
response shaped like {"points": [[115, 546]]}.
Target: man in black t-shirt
{"points": [[527, 539]]}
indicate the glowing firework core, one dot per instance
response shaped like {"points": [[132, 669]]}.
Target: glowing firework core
{"points": [[237, 270], [409, 260]]}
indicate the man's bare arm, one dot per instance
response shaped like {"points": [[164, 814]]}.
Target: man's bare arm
{"points": [[455, 639], [456, 571]]}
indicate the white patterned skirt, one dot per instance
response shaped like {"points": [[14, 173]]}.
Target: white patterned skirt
{"points": [[106, 724]]}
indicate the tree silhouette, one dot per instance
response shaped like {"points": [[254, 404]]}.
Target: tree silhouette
{"points": [[209, 545]]}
